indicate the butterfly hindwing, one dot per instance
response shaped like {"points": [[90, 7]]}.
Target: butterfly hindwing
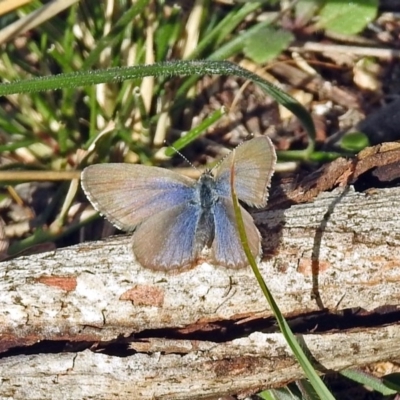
{"points": [[227, 249], [170, 239]]}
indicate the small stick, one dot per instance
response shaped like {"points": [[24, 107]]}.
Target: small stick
{"points": [[356, 50]]}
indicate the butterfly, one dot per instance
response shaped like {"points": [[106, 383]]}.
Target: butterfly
{"points": [[177, 221]]}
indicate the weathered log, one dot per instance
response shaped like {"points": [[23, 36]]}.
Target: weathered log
{"points": [[198, 333]]}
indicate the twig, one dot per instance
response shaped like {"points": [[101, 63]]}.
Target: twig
{"points": [[355, 50]]}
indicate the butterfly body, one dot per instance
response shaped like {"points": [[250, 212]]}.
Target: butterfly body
{"points": [[204, 200], [175, 219]]}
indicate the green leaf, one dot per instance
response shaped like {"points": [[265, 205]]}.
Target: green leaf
{"points": [[266, 44], [354, 141], [383, 386], [347, 17], [269, 2], [166, 35], [278, 394], [392, 381], [305, 11]]}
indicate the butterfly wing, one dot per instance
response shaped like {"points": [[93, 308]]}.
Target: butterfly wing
{"points": [[128, 194], [254, 163], [170, 239], [227, 249]]}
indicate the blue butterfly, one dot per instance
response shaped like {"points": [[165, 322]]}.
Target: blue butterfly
{"points": [[177, 221]]}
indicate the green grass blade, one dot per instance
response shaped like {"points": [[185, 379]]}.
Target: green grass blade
{"points": [[170, 68], [367, 380], [194, 133], [223, 29], [291, 340], [117, 29]]}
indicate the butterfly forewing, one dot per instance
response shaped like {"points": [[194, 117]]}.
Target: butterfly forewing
{"points": [[254, 163], [128, 194]]}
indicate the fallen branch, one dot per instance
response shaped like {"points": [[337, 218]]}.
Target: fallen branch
{"points": [[199, 333]]}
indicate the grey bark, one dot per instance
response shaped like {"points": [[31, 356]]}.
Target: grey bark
{"points": [[345, 246]]}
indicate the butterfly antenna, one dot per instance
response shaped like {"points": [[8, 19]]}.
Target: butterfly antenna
{"points": [[178, 152], [248, 137]]}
